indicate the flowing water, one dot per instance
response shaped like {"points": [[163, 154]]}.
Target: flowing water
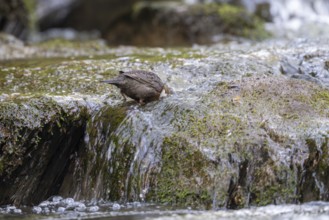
{"points": [[138, 211]]}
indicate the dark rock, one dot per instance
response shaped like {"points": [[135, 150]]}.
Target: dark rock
{"points": [[172, 24], [36, 150], [82, 14], [14, 18], [152, 23], [93, 172], [263, 10], [307, 66]]}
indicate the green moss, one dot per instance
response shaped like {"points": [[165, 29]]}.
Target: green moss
{"points": [[241, 125], [172, 57], [208, 19], [111, 172], [229, 12], [65, 76], [31, 8], [178, 182], [111, 117], [53, 77], [323, 167], [29, 121], [315, 173], [320, 100], [238, 21], [273, 187], [63, 44], [235, 20]]}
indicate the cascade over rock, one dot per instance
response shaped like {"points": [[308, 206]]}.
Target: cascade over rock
{"points": [[243, 127]]}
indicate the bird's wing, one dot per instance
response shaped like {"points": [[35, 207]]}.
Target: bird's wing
{"points": [[147, 78]]}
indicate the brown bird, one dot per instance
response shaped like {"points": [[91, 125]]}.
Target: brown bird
{"points": [[140, 85]]}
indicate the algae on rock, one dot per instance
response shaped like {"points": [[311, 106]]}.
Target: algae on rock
{"points": [[244, 144], [176, 24], [37, 139], [235, 133]]}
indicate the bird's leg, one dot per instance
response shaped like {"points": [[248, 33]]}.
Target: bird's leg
{"points": [[124, 96]]}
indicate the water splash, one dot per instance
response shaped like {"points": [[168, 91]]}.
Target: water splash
{"points": [[67, 208]]}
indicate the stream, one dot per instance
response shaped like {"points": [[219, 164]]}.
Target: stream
{"points": [[137, 211]]}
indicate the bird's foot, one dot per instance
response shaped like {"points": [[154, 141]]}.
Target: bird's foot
{"points": [[141, 102]]}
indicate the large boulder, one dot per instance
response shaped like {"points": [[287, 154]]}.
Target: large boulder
{"points": [[237, 132], [176, 24], [152, 23], [81, 14], [38, 138]]}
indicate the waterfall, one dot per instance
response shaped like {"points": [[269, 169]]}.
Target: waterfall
{"points": [[295, 14], [302, 17]]}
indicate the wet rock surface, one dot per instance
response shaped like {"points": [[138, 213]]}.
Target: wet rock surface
{"points": [[308, 65], [237, 132], [38, 139]]}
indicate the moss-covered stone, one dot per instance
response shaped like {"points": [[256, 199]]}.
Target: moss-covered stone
{"points": [[38, 137], [31, 6], [103, 162], [162, 24], [320, 100], [238, 22], [14, 18], [184, 179], [233, 140], [233, 135], [315, 171]]}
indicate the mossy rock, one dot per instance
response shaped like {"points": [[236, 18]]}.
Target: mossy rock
{"points": [[238, 22], [184, 179], [14, 18], [255, 139], [174, 24], [37, 138], [227, 152], [104, 159]]}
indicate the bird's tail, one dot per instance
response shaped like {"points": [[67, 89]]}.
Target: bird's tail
{"points": [[112, 81]]}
